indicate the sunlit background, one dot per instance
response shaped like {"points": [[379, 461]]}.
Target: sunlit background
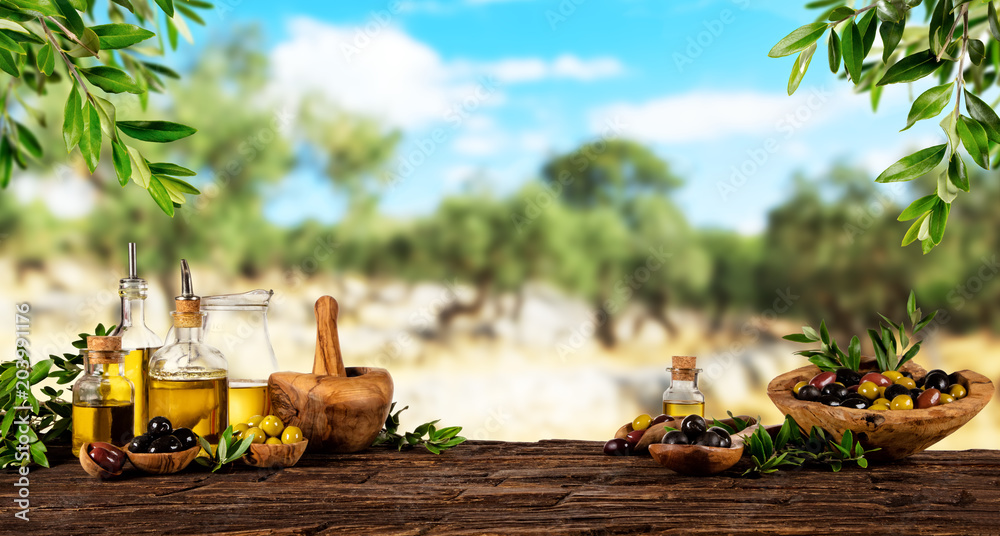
{"points": [[524, 208]]}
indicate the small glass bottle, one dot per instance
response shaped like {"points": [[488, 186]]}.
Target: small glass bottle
{"points": [[188, 379], [683, 398], [103, 399], [138, 340]]}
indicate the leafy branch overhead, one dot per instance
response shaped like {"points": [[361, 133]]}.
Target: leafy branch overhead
{"points": [[44, 42], [951, 48]]}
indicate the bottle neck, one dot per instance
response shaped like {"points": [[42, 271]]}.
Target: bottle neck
{"points": [[103, 369], [195, 334], [133, 313]]}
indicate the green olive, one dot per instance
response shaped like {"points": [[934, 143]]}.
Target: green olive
{"points": [[272, 426], [879, 407], [882, 400], [906, 382], [257, 434], [868, 390], [800, 385], [292, 434], [893, 375], [902, 402], [946, 399], [239, 429], [273, 441], [254, 422], [957, 391]]}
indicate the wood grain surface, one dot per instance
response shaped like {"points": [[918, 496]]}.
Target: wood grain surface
{"points": [[550, 487]]}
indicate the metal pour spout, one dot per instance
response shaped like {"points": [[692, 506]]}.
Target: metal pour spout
{"points": [[187, 287], [133, 272]]}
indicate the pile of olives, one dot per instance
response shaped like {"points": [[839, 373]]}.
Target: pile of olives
{"points": [[889, 390], [268, 430], [162, 438], [624, 447], [694, 431]]}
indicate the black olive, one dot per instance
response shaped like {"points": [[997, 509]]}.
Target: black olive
{"points": [[915, 394], [953, 378], [675, 437], [920, 382], [908, 374], [165, 444], [829, 400], [617, 447], [936, 380], [809, 393], [140, 444], [854, 402], [159, 427], [709, 439], [848, 377], [936, 371], [895, 390], [727, 441], [833, 389], [693, 426], [186, 437]]}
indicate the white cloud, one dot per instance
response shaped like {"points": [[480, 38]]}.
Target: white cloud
{"points": [[381, 71], [716, 115]]}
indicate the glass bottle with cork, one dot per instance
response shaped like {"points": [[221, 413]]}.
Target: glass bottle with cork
{"points": [[103, 399], [188, 379], [138, 340], [683, 398]]}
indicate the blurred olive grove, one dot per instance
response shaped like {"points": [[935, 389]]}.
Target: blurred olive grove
{"points": [[598, 223]]}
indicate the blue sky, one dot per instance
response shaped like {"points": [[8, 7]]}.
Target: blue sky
{"points": [[692, 80]]}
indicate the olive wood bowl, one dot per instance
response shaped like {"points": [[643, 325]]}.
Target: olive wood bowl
{"points": [[275, 456], [164, 463], [696, 460], [897, 434], [93, 468], [654, 434]]}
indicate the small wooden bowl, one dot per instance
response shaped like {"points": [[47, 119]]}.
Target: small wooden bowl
{"points": [[897, 433], [92, 468], [164, 463], [696, 460], [654, 434], [274, 456]]}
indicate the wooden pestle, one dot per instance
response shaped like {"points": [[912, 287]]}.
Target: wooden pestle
{"points": [[328, 361]]}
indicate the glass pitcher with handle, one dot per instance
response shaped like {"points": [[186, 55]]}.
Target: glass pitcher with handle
{"points": [[237, 325]]}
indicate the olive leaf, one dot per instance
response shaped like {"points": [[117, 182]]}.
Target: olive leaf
{"points": [[436, 441]]}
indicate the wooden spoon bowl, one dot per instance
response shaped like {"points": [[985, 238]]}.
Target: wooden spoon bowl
{"points": [[897, 434], [163, 463], [93, 468], [696, 460], [274, 456], [654, 434]]}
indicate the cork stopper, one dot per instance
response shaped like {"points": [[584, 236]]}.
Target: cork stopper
{"points": [[104, 344], [683, 367], [187, 320]]}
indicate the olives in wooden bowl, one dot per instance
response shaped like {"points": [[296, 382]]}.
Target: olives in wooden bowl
{"points": [[275, 456], [696, 449], [897, 434]]}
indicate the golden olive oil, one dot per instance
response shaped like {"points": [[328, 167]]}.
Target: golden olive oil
{"points": [[136, 370], [246, 399], [199, 402], [683, 408], [110, 424]]}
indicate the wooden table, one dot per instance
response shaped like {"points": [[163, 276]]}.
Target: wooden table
{"points": [[483, 487]]}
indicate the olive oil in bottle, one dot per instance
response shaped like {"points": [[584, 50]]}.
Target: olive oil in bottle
{"points": [[246, 399], [112, 424], [188, 379], [137, 339], [683, 398], [103, 399], [196, 401]]}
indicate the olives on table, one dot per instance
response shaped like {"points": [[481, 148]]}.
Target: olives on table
{"points": [[693, 425], [901, 402], [957, 391], [640, 423], [928, 399], [159, 427], [617, 447], [675, 437], [163, 444], [809, 393], [834, 389], [823, 379]]}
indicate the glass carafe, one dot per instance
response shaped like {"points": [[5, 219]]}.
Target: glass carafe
{"points": [[237, 325]]}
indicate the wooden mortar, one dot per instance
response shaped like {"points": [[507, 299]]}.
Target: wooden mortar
{"points": [[338, 409]]}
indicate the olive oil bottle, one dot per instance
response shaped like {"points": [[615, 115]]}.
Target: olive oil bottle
{"points": [[188, 379], [683, 398], [103, 399], [137, 339], [246, 399]]}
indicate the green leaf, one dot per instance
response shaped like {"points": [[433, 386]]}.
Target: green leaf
{"points": [[911, 68], [45, 59], [167, 6], [863, 463], [155, 131], [833, 51], [939, 220], [994, 22], [160, 69], [140, 170], [39, 371], [984, 114], [910, 354], [929, 104], [797, 337], [911, 306], [924, 321], [880, 350], [36, 8], [92, 42], [810, 332], [854, 353], [824, 334], [160, 195], [73, 120], [13, 46], [111, 79], [166, 168], [798, 40], [6, 163], [115, 36], [27, 140], [783, 435], [891, 33], [977, 51], [121, 160], [957, 173], [854, 53], [888, 12], [918, 207], [90, 139], [241, 449], [840, 13], [73, 22], [178, 184], [868, 27], [800, 67], [8, 64], [915, 165], [974, 138]]}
